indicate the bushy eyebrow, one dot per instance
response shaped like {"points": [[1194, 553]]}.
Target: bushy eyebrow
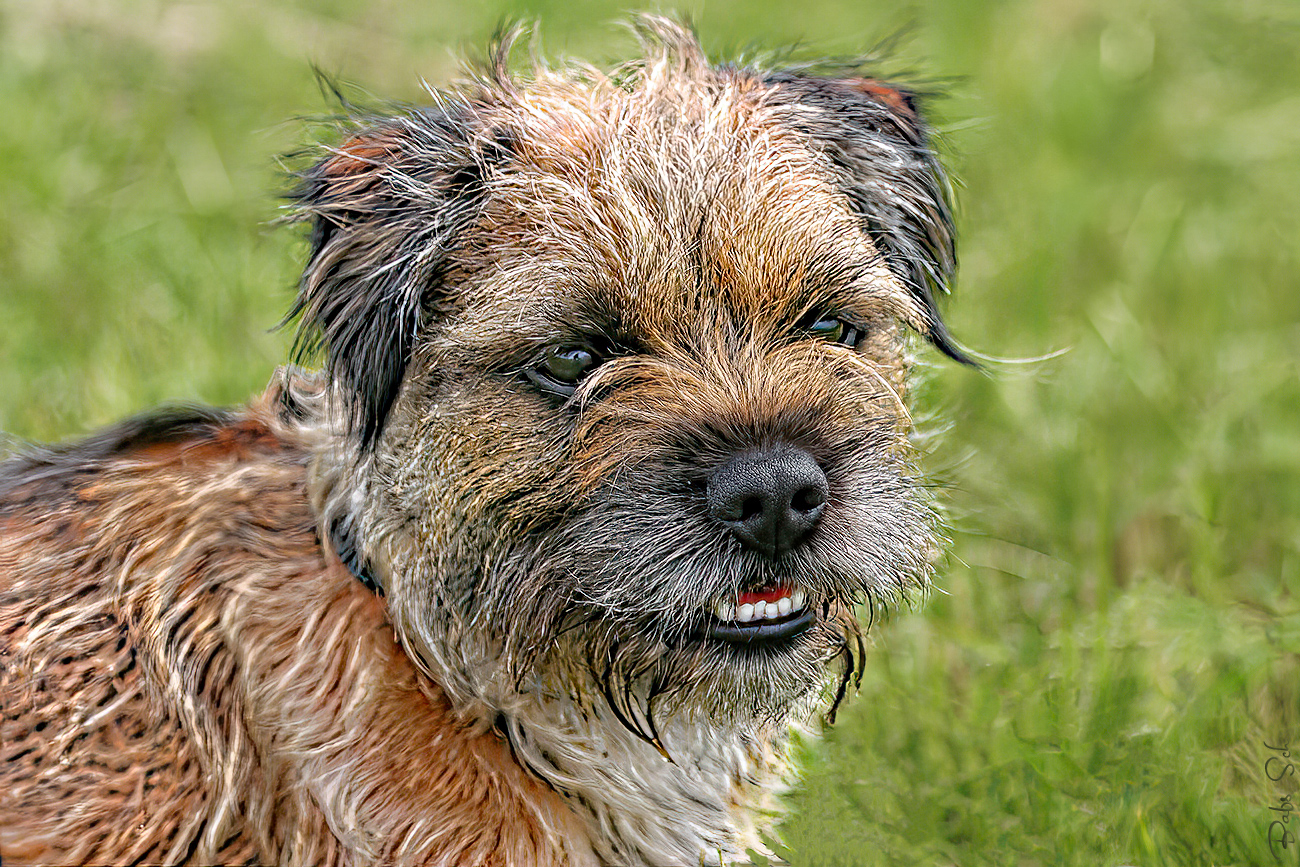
{"points": [[841, 287], [855, 284]]}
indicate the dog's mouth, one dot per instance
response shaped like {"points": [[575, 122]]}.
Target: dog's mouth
{"points": [[771, 613]]}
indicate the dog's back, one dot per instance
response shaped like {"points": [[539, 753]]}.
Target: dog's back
{"points": [[186, 676], [111, 601]]}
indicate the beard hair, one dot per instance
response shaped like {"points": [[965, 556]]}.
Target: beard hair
{"points": [[737, 686]]}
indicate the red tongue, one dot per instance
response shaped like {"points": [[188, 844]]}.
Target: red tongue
{"points": [[767, 594]]}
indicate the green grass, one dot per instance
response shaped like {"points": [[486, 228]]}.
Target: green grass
{"points": [[1116, 632]]}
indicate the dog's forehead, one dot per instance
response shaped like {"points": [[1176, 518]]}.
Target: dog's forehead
{"points": [[650, 209]]}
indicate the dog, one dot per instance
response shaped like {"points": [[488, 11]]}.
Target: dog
{"points": [[608, 445]]}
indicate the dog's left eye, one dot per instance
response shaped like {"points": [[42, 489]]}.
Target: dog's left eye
{"points": [[834, 330], [562, 368]]}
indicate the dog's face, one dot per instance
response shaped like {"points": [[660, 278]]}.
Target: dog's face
{"points": [[624, 365]]}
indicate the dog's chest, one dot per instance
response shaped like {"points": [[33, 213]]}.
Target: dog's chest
{"points": [[698, 806]]}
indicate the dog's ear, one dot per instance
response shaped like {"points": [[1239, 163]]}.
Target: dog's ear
{"points": [[879, 146], [386, 208]]}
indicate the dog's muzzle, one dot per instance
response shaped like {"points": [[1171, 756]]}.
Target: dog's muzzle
{"points": [[770, 500]]}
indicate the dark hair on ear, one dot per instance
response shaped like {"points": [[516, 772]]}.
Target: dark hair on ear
{"points": [[386, 209], [879, 146]]}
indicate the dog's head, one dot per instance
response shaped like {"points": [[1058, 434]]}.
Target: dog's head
{"points": [[620, 361]]}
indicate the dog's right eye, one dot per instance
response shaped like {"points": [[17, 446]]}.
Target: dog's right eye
{"points": [[562, 368]]}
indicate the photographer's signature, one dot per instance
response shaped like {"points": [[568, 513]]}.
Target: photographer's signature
{"points": [[1281, 834]]}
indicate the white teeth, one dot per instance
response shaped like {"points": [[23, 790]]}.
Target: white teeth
{"points": [[765, 609]]}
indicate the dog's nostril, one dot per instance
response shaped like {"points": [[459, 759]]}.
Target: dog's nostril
{"points": [[769, 500], [807, 499]]}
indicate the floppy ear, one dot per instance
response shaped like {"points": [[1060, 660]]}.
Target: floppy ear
{"points": [[880, 147], [387, 207]]}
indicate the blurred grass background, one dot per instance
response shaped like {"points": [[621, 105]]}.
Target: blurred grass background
{"points": [[1117, 632]]}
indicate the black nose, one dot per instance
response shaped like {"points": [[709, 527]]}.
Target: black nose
{"points": [[769, 500]]}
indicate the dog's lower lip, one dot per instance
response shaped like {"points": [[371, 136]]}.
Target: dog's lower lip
{"points": [[760, 631]]}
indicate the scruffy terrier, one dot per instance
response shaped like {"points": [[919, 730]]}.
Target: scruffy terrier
{"points": [[541, 568]]}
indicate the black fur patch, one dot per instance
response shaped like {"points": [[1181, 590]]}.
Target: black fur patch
{"points": [[386, 210], [879, 145]]}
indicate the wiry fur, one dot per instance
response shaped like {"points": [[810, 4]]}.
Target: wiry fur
{"points": [[190, 672]]}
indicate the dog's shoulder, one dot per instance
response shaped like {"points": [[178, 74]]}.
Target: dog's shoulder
{"points": [[148, 461]]}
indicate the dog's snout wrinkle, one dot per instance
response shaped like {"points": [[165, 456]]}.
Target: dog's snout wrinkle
{"points": [[769, 500]]}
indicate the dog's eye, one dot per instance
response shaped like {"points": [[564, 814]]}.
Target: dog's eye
{"points": [[833, 330], [562, 368]]}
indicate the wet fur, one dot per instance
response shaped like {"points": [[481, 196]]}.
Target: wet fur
{"points": [[190, 672]]}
